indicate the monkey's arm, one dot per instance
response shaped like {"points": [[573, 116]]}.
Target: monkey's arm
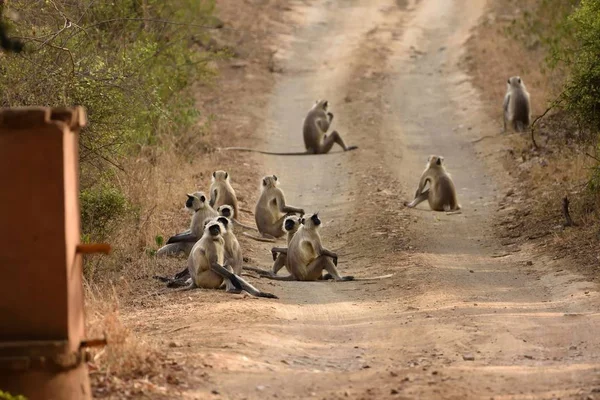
{"points": [[506, 101], [213, 197], [326, 252], [276, 250], [285, 208], [422, 183], [323, 124]]}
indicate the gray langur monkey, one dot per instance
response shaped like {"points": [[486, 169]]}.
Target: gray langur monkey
{"points": [[202, 210], [233, 251], [516, 106], [271, 209], [184, 241], [291, 225], [441, 193], [314, 130], [221, 192], [307, 258], [207, 265]]}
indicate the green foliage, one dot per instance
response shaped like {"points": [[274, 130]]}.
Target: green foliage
{"points": [[129, 62], [159, 240], [102, 208], [581, 57], [8, 396]]}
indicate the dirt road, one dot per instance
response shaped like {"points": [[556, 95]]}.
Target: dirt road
{"points": [[467, 314]]}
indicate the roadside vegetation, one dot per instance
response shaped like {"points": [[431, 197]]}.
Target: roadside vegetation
{"points": [[133, 64], [554, 45]]}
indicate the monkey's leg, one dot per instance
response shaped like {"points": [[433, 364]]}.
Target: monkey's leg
{"points": [[316, 267], [419, 199], [174, 249], [184, 273], [279, 263], [229, 285], [329, 140]]}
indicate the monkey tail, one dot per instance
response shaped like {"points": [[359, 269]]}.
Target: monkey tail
{"points": [[260, 239], [244, 225], [271, 153], [240, 283], [374, 278]]}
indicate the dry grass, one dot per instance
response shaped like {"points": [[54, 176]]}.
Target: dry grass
{"points": [[559, 167]]}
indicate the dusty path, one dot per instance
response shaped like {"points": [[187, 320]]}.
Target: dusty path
{"points": [[389, 69]]}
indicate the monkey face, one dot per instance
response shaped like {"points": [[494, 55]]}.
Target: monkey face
{"points": [[224, 221], [189, 203], [195, 201], [315, 219], [215, 228], [290, 224], [225, 211]]}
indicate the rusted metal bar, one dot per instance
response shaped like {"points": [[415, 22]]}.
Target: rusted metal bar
{"points": [[41, 290]]}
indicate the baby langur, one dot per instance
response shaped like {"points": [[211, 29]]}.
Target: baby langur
{"points": [[182, 242], [441, 193], [207, 267], [222, 193], [271, 209], [290, 225], [517, 107], [227, 211], [314, 129]]}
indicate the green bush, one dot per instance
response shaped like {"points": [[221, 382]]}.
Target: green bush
{"points": [[102, 208], [7, 396], [580, 54], [129, 62]]}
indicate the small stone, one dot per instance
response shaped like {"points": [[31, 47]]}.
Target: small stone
{"points": [[573, 348], [468, 357], [174, 344], [471, 271], [239, 64], [394, 374], [394, 391], [260, 387], [214, 391], [529, 263], [510, 192], [434, 372], [366, 366]]}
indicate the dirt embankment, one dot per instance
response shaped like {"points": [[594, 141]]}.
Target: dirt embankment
{"points": [[501, 46]]}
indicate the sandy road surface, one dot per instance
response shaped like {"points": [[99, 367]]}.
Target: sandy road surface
{"points": [[465, 315]]}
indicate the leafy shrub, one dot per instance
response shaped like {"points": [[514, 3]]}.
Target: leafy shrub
{"points": [[102, 208], [129, 62], [580, 54], [7, 396]]}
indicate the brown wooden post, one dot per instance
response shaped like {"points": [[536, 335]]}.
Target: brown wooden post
{"points": [[41, 288]]}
